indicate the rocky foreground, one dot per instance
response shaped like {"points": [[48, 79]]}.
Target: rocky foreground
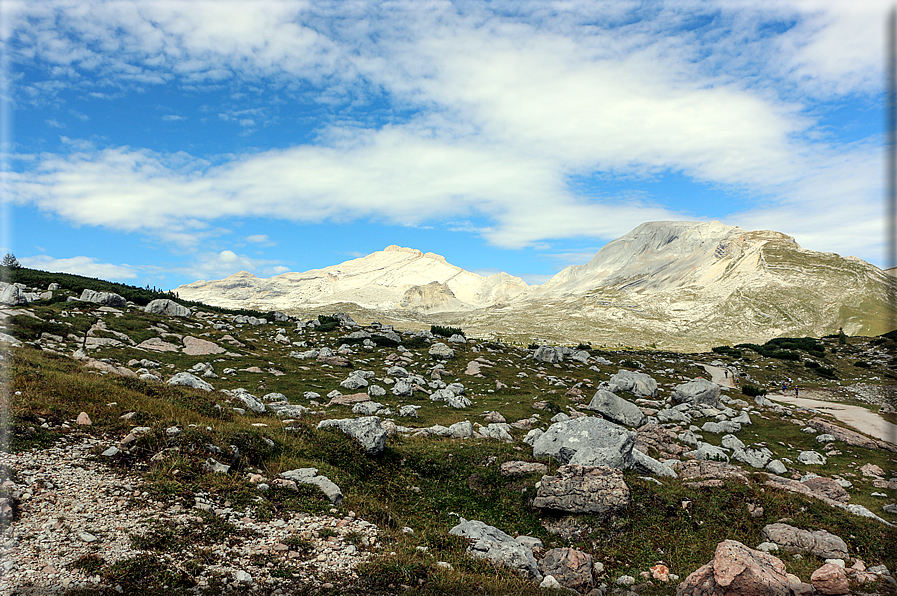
{"points": [[582, 437]]}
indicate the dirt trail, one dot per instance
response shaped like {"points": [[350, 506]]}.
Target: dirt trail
{"points": [[859, 418], [718, 375]]}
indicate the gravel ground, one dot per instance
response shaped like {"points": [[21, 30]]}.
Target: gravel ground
{"points": [[71, 506]]}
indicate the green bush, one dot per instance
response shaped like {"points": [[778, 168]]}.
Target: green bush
{"points": [[582, 346], [862, 364], [752, 390], [446, 331]]}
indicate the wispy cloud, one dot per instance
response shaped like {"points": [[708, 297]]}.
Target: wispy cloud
{"points": [[172, 118]]}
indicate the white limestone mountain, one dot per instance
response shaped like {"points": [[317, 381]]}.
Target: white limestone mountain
{"points": [[395, 278], [680, 285]]}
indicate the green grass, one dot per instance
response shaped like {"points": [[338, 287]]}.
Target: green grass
{"points": [[421, 483]]}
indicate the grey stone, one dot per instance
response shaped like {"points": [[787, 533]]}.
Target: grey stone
{"points": [[250, 401], [367, 430], [167, 307], [757, 458], [532, 435], [825, 438], [776, 467], [105, 298], [732, 442], [376, 391], [811, 458], [616, 408], [548, 354], [397, 372], [402, 388], [409, 412], [794, 540], [457, 339], [353, 382], [697, 392], [650, 465], [189, 380], [583, 489], [488, 542], [461, 430], [310, 476], [726, 426], [458, 401], [440, 350], [213, 465], [637, 383], [497, 430], [367, 408], [604, 440], [441, 395], [708, 452]]}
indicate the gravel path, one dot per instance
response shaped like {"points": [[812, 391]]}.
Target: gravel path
{"points": [[71, 505]]}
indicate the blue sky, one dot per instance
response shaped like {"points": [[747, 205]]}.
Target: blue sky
{"points": [[161, 142]]}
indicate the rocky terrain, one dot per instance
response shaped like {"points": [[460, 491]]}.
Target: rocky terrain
{"points": [[676, 285], [158, 448]]}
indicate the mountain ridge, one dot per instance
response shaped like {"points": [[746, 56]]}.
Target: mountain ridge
{"points": [[680, 284]]}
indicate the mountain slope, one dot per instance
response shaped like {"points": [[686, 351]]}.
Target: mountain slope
{"points": [[394, 278], [677, 284]]}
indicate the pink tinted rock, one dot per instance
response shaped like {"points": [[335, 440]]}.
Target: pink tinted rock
{"points": [[193, 346], [830, 579], [660, 572], [157, 345], [827, 488], [872, 470], [737, 570], [570, 567], [84, 419]]}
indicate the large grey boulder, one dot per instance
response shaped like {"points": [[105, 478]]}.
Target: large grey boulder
{"points": [[794, 540], [458, 401], [697, 392], [189, 380], [440, 350], [164, 306], [310, 476], [11, 295], [105, 298], [601, 440], [548, 354], [366, 430], [583, 489], [488, 542], [636, 383], [616, 408]]}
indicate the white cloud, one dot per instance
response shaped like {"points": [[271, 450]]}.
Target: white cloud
{"points": [[506, 105], [172, 118], [218, 265], [279, 269], [86, 266], [258, 239]]}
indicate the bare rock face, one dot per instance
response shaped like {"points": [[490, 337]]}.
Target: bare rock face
{"points": [[522, 468], [709, 473], [699, 392], [164, 306], [830, 579], [737, 570], [570, 567], [583, 489], [592, 441], [794, 540], [616, 408]]}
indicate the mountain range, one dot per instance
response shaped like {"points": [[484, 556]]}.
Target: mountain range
{"points": [[677, 285]]}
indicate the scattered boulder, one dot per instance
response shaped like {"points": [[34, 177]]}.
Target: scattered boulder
{"points": [[811, 458], [616, 408], [488, 542], [310, 476], [636, 383], [737, 570], [105, 298], [830, 579], [699, 392], [571, 568], [548, 354], [165, 306], [440, 350], [595, 441], [794, 540], [828, 488], [583, 489], [189, 380], [366, 430], [193, 346]]}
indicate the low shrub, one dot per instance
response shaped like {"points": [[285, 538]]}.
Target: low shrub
{"points": [[446, 331], [752, 390]]}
